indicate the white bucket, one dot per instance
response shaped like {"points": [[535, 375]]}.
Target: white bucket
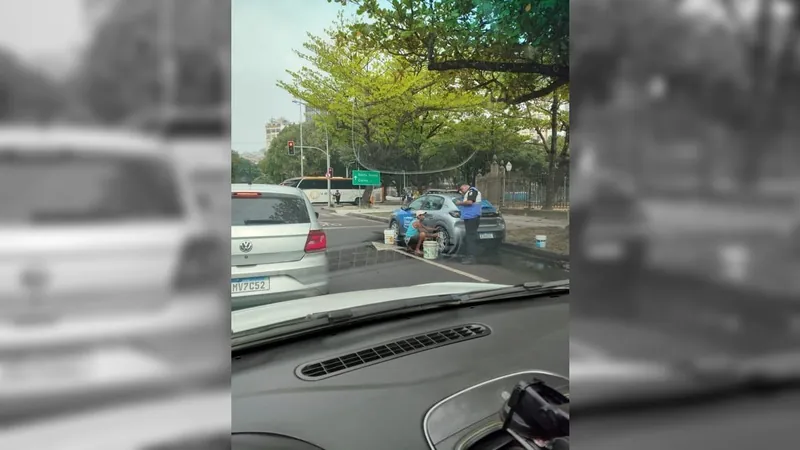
{"points": [[430, 249], [389, 237], [541, 241]]}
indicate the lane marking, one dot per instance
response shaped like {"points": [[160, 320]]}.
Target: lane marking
{"points": [[381, 246]]}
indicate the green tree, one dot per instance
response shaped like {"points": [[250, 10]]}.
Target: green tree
{"points": [[26, 94], [485, 137], [517, 50], [549, 117], [380, 107]]}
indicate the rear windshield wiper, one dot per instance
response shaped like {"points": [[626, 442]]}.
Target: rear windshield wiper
{"points": [[263, 222], [262, 335]]}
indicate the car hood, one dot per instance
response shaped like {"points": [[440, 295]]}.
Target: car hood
{"points": [[260, 316]]}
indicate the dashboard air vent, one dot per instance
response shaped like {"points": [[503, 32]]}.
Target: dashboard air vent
{"points": [[390, 350]]}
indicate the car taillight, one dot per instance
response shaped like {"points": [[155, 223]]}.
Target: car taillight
{"points": [[202, 264], [456, 214], [316, 241]]}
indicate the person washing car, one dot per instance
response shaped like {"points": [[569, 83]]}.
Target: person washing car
{"points": [[417, 232], [470, 207]]}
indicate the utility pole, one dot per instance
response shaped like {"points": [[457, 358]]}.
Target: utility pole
{"points": [[168, 63], [300, 104]]}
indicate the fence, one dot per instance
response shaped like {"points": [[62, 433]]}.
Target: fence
{"points": [[510, 190]]}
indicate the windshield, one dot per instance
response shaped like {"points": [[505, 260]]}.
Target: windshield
{"points": [[368, 154], [63, 187]]}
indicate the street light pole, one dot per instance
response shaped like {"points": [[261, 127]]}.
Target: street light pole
{"points": [[328, 167], [300, 105]]}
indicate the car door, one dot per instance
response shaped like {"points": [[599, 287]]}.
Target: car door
{"points": [[434, 206], [405, 216]]}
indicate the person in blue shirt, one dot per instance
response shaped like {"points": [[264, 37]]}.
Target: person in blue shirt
{"points": [[417, 232], [471, 208]]}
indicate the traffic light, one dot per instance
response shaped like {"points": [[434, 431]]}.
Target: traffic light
{"points": [[291, 148]]}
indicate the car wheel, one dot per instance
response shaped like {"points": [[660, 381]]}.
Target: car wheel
{"points": [[357, 201], [444, 240], [393, 225]]}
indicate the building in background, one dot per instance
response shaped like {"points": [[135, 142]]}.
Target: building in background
{"points": [[273, 127]]}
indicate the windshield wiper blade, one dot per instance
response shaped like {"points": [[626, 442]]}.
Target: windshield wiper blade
{"points": [[263, 222], [284, 329], [519, 290]]}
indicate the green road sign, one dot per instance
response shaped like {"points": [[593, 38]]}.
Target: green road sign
{"points": [[366, 178]]}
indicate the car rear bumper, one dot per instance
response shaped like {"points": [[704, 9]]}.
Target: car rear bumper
{"points": [[498, 234], [307, 277]]}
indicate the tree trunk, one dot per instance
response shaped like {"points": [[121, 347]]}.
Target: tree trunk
{"points": [[552, 152], [367, 194]]}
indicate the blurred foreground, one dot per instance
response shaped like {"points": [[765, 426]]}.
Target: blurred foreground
{"points": [[686, 210], [114, 326]]}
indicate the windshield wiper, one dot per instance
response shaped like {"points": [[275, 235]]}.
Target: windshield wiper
{"points": [[316, 321], [263, 222]]}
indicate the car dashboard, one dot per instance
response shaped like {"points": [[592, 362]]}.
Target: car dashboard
{"points": [[428, 381]]}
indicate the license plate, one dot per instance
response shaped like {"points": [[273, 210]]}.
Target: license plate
{"points": [[486, 235], [246, 285], [606, 251]]}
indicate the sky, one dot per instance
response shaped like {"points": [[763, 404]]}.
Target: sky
{"points": [[57, 35], [263, 37]]}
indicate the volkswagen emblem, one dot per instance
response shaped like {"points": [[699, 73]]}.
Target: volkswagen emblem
{"points": [[246, 246]]}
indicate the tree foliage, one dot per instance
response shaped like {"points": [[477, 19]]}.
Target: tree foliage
{"points": [[516, 50], [26, 94], [379, 107], [120, 74]]}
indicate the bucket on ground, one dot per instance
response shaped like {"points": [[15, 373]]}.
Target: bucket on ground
{"points": [[541, 241], [389, 237], [430, 249]]}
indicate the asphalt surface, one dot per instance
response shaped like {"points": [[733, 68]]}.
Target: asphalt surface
{"points": [[356, 264]]}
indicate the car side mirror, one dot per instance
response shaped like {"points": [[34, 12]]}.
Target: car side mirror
{"points": [[316, 214], [405, 208]]}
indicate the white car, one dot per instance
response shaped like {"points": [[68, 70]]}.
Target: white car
{"points": [[277, 246], [191, 421], [108, 281]]}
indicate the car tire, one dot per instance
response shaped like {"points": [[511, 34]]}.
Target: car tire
{"points": [[445, 240], [357, 201], [394, 225]]}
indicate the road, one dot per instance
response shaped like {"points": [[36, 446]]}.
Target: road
{"points": [[356, 264]]}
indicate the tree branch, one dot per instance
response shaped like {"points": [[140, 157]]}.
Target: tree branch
{"points": [[547, 90], [553, 71]]}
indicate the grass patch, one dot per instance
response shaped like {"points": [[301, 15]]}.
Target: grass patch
{"points": [[557, 238]]}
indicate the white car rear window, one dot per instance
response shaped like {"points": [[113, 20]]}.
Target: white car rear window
{"points": [[44, 188], [249, 208]]}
